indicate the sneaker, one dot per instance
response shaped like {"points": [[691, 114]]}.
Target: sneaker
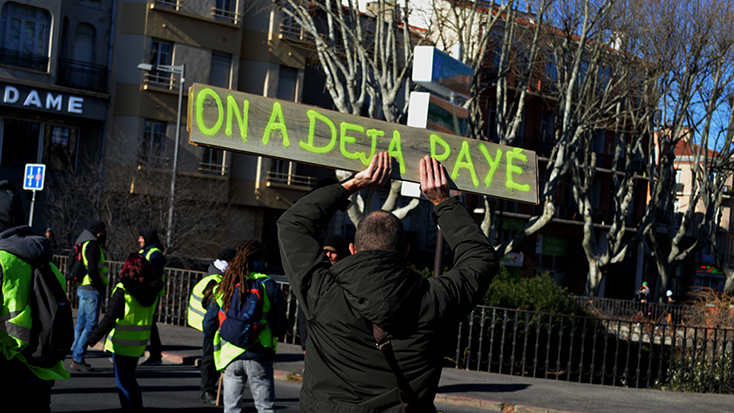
{"points": [[152, 361], [209, 397], [81, 366]]}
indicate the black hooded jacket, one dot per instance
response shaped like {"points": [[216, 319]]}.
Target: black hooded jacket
{"points": [[92, 254], [150, 236], [346, 372], [145, 293]]}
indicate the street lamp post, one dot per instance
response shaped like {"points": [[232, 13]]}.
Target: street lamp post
{"points": [[180, 71]]}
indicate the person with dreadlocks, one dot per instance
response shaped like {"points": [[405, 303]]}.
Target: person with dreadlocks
{"points": [[254, 361]]}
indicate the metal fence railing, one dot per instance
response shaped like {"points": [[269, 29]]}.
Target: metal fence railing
{"points": [[611, 348], [616, 308], [596, 351], [172, 307]]}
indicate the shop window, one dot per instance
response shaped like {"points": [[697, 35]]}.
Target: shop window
{"points": [[24, 36], [19, 142], [152, 146], [59, 147]]}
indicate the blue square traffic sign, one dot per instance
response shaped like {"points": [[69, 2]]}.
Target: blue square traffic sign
{"points": [[34, 176]]}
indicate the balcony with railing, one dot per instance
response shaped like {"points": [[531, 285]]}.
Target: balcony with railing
{"points": [[158, 79], [82, 75], [213, 168], [285, 180], [293, 32], [173, 4], [23, 60], [226, 15]]}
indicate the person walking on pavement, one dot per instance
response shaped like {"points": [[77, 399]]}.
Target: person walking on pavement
{"points": [[90, 291], [198, 304], [346, 304], [335, 249], [23, 387], [254, 361], [152, 250], [127, 324]]}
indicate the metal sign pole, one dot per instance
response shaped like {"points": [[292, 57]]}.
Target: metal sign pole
{"points": [[33, 204]]}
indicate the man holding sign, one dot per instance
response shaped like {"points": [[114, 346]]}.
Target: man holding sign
{"points": [[348, 304]]}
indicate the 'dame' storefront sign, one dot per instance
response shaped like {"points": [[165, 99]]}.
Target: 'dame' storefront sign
{"points": [[242, 122]]}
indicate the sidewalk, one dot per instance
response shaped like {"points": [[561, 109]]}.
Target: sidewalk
{"points": [[488, 391]]}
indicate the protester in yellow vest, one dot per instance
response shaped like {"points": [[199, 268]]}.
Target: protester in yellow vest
{"points": [[23, 387], [256, 360], [127, 322], [152, 250], [198, 303], [91, 290]]}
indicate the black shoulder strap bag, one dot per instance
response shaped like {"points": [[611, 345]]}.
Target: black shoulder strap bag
{"points": [[408, 398]]}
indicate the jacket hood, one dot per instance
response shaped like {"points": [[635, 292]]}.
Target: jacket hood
{"points": [[145, 293], [150, 235], [21, 241], [214, 270], [85, 236], [380, 287]]}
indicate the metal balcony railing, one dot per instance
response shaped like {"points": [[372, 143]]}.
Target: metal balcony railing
{"points": [[82, 75], [228, 15], [213, 168], [160, 79], [280, 178], [174, 4], [22, 59]]}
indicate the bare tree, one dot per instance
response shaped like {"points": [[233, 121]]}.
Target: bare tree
{"points": [[366, 55], [131, 197], [611, 90], [691, 45]]}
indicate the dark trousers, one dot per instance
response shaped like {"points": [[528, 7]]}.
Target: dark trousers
{"points": [[131, 399], [21, 390], [156, 348], [209, 374]]}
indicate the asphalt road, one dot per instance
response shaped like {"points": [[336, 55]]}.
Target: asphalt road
{"points": [[166, 388]]}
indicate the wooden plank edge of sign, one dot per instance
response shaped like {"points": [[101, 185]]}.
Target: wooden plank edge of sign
{"points": [[396, 170]]}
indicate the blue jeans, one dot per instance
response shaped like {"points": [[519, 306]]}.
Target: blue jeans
{"points": [[86, 320], [262, 385], [131, 399]]}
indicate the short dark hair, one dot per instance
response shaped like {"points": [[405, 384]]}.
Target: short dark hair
{"points": [[380, 230]]}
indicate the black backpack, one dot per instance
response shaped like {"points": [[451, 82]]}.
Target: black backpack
{"points": [[52, 328], [75, 270]]}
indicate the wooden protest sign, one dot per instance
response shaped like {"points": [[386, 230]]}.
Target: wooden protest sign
{"points": [[242, 122]]}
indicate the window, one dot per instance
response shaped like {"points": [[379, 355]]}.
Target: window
{"points": [[160, 54], [220, 70], [20, 142], [605, 75], [224, 10], [287, 79], [551, 71], [213, 161], [84, 43], [492, 124], [24, 34], [152, 145], [583, 69], [59, 147]]}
